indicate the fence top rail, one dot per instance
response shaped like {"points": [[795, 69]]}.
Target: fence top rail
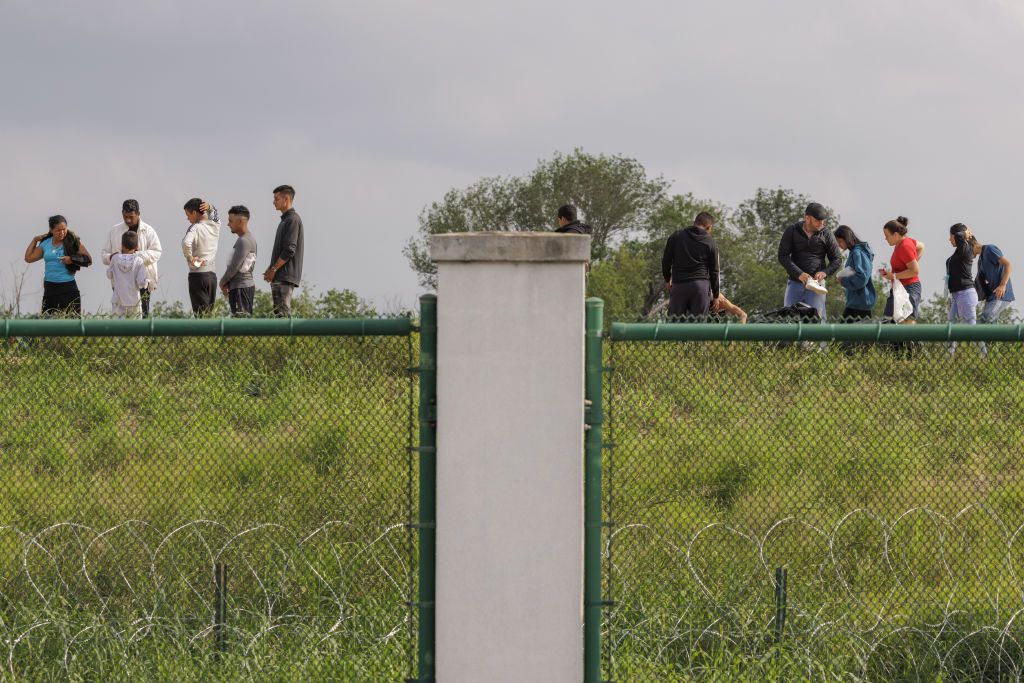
{"points": [[755, 332], [226, 327]]}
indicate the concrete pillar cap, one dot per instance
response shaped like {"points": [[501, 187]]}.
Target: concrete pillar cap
{"points": [[510, 247]]}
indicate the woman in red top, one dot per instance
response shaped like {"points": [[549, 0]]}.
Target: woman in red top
{"points": [[904, 265]]}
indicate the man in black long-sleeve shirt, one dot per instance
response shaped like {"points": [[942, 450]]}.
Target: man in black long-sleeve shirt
{"points": [[285, 271], [690, 268], [803, 250], [569, 224]]}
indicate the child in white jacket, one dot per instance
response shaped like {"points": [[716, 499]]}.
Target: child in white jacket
{"points": [[127, 272]]}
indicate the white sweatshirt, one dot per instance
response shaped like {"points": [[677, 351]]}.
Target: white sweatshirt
{"points": [[127, 272], [149, 248], [200, 244]]}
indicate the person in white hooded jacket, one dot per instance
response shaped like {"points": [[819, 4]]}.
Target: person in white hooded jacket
{"points": [[200, 249], [127, 273], [149, 247]]}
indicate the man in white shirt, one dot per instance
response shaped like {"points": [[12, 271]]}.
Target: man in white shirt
{"points": [[149, 246], [200, 249]]}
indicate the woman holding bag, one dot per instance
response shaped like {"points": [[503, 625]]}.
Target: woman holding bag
{"points": [[856, 276], [63, 254], [904, 266]]}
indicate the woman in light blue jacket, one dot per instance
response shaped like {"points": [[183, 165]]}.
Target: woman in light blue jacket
{"points": [[856, 276]]}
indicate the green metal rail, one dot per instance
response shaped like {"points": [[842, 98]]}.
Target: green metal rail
{"points": [[226, 327], [815, 332], [592, 517], [428, 486]]}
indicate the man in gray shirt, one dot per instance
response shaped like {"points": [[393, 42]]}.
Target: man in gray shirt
{"points": [[285, 271], [238, 284]]}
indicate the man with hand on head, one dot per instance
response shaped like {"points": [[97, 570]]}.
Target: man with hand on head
{"points": [[285, 271], [149, 246], [238, 284], [803, 251], [200, 249]]}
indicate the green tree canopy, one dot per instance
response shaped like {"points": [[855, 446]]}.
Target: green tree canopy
{"points": [[749, 245], [614, 195]]}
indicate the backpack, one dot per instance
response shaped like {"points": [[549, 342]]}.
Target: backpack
{"points": [[797, 312]]}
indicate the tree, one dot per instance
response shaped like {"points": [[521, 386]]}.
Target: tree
{"points": [[936, 309], [614, 195], [640, 259], [751, 274], [624, 281], [748, 241]]}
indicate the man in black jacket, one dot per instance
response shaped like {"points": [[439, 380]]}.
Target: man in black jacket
{"points": [[285, 271], [568, 223], [803, 250], [690, 268]]}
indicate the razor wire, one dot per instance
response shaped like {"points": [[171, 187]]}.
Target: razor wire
{"points": [[814, 511], [136, 471]]}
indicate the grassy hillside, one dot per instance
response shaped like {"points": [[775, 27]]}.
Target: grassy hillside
{"points": [[889, 484], [129, 468]]}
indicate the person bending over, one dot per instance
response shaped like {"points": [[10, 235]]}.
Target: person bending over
{"points": [[855, 277]]}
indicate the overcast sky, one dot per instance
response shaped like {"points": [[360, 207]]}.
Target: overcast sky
{"points": [[374, 109]]}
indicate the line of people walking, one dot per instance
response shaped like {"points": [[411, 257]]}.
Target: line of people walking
{"points": [[810, 254], [132, 252]]}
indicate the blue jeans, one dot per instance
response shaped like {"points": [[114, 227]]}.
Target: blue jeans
{"points": [[963, 307], [796, 293], [993, 307]]}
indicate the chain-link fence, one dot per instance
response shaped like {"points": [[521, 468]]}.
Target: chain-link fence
{"points": [[813, 511], [208, 508]]}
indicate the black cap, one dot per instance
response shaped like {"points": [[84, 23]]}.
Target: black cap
{"points": [[816, 211]]}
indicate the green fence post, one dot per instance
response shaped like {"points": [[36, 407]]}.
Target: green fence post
{"points": [[592, 600], [428, 484]]}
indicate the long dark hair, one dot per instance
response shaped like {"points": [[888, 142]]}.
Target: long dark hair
{"points": [[960, 228], [846, 234]]}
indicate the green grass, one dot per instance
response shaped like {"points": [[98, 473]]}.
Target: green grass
{"points": [[891, 487], [130, 467]]}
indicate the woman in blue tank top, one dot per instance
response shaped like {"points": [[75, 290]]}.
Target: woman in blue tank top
{"points": [[63, 254]]}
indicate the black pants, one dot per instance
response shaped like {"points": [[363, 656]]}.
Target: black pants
{"points": [[144, 294], [854, 315], [202, 291], [61, 298], [240, 300], [690, 299]]}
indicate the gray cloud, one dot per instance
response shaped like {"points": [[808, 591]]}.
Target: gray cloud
{"points": [[374, 109]]}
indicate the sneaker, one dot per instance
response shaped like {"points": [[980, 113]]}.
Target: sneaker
{"points": [[813, 285]]}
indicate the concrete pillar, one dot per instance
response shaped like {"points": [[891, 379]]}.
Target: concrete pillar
{"points": [[510, 456]]}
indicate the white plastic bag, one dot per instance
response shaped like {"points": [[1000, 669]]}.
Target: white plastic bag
{"points": [[901, 306]]}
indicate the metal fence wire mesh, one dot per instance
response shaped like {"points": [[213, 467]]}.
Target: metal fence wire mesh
{"points": [[202, 508], [792, 511]]}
